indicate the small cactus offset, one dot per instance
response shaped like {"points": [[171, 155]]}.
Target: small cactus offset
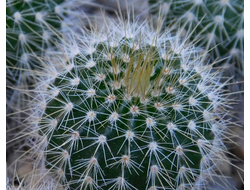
{"points": [[217, 25], [129, 108]]}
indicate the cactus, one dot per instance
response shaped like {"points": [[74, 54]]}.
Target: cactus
{"points": [[216, 25], [123, 108], [129, 108]]}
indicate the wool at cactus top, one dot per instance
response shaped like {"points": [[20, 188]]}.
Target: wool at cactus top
{"points": [[129, 108]]}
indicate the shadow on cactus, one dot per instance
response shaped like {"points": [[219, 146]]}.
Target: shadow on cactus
{"points": [[130, 108]]}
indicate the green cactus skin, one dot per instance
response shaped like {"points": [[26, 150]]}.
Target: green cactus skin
{"points": [[216, 24], [130, 108]]}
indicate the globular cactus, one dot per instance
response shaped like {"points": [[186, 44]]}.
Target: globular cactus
{"points": [[217, 25], [129, 108]]}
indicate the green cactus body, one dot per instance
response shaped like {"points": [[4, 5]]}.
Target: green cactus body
{"points": [[216, 25], [132, 109]]}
